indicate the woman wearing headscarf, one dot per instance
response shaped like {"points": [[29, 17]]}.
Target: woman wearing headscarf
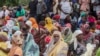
{"points": [[34, 22], [49, 24], [77, 46], [88, 36], [67, 35], [14, 29], [3, 45], [17, 41], [57, 46], [30, 48]]}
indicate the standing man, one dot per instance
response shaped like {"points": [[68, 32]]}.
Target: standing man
{"points": [[32, 7], [66, 9], [49, 4], [41, 9]]}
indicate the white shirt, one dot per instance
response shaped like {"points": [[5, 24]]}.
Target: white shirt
{"points": [[6, 13]]}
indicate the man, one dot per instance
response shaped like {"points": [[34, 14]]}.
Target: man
{"points": [[49, 4], [41, 9], [32, 7], [66, 9], [5, 12]]}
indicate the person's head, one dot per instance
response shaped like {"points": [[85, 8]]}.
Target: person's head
{"points": [[3, 37], [56, 36], [4, 7], [25, 29], [48, 20], [86, 28], [79, 35], [14, 29], [29, 23], [83, 15], [56, 17], [98, 22], [42, 23], [19, 8], [66, 31], [68, 19], [17, 38]]}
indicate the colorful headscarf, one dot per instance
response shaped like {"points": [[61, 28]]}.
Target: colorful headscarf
{"points": [[16, 28], [34, 22], [3, 36], [49, 24], [74, 39], [55, 49], [67, 35]]}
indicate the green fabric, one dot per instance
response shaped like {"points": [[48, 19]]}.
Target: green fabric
{"points": [[83, 14], [98, 52], [68, 38], [20, 13], [67, 33]]}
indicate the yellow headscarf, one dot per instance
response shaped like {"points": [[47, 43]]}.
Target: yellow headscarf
{"points": [[59, 47], [3, 45], [49, 24], [34, 23], [4, 34]]}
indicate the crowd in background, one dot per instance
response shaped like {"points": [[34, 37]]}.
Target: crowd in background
{"points": [[51, 28]]}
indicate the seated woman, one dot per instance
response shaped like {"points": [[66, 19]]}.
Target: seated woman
{"points": [[57, 46], [17, 40], [30, 48], [3, 45]]}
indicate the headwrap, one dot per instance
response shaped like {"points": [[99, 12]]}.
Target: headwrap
{"points": [[55, 49], [56, 17], [67, 35], [18, 39], [34, 22], [29, 23], [74, 39], [16, 28], [49, 24], [3, 36], [83, 27]]}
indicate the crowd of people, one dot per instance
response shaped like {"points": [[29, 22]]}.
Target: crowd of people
{"points": [[51, 28]]}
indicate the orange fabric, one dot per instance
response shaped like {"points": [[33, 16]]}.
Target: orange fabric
{"points": [[34, 23], [15, 50], [20, 19]]}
